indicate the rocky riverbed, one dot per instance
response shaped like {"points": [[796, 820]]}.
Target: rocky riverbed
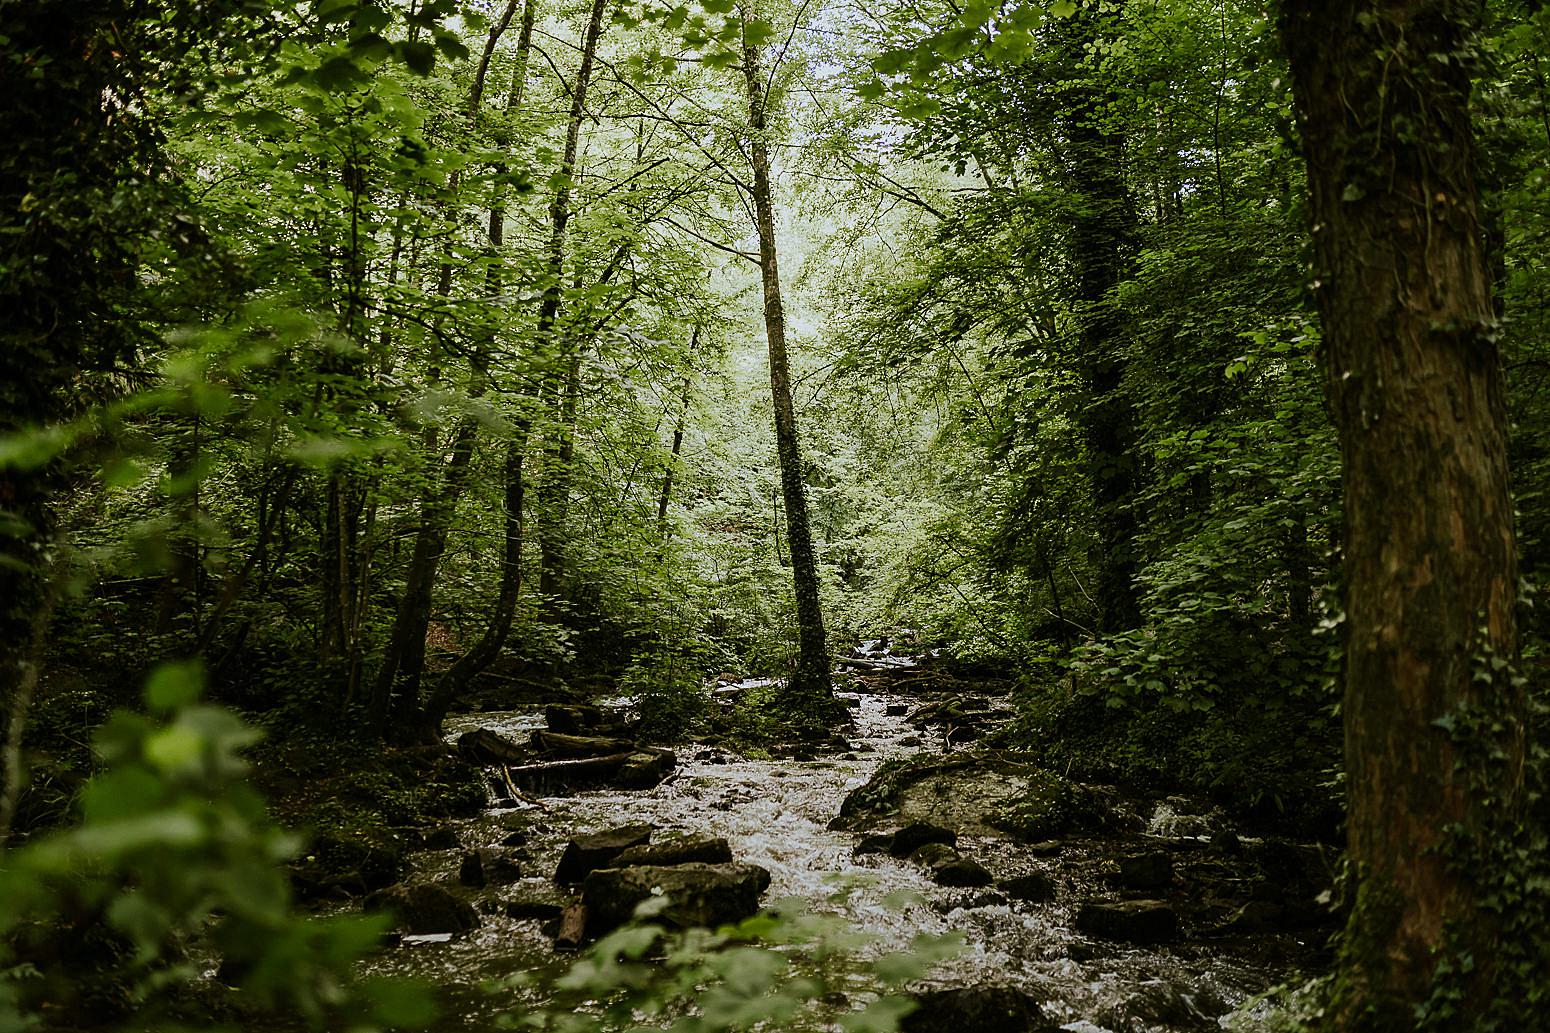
{"points": [[1103, 910]]}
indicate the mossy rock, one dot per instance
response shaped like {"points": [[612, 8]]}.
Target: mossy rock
{"points": [[984, 793]]}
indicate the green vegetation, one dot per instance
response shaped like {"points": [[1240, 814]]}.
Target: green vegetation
{"points": [[366, 362]]}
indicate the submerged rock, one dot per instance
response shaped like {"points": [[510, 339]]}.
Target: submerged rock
{"points": [[976, 1009], [597, 850], [1033, 888], [486, 867], [697, 894], [1147, 871], [424, 908], [1131, 921]]}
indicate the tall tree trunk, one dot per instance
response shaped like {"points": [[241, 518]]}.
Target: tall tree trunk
{"points": [[1103, 243], [472, 663], [562, 356], [809, 681], [1414, 380]]}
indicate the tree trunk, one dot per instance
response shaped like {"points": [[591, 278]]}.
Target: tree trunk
{"points": [[555, 488], [810, 679], [1411, 368], [665, 496], [1103, 243], [473, 662]]}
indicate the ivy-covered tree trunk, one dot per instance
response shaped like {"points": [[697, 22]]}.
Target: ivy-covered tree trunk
{"points": [[1102, 248], [1413, 376], [810, 679]]}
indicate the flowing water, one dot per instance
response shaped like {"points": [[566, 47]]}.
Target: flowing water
{"points": [[776, 813]]}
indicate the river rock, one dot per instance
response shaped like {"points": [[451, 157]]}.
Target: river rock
{"points": [[586, 853], [488, 867], [1158, 1003], [916, 835], [645, 768], [578, 720], [896, 709], [1033, 888], [482, 746], [1147, 871], [976, 1009], [876, 843], [697, 894], [1132, 921], [424, 907], [981, 793], [683, 850], [961, 871]]}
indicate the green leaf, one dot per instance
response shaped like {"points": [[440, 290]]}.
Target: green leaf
{"points": [[174, 685], [1062, 8]]}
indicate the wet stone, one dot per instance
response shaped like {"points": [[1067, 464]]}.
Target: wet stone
{"points": [[1033, 888], [487, 867], [880, 843], [1147, 871], [977, 1009], [917, 834], [896, 709], [698, 894], [424, 908], [687, 850], [961, 872], [1131, 921], [586, 853]]}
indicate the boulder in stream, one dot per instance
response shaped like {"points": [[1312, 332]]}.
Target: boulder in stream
{"points": [[698, 894], [1148, 871], [684, 850], [1131, 921], [983, 793], [424, 907], [488, 867], [977, 1009], [917, 834], [950, 868], [580, 720], [1033, 888], [645, 768], [597, 850]]}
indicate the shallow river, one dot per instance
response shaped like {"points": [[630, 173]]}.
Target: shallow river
{"points": [[776, 814]]}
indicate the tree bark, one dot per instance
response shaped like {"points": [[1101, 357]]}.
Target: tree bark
{"points": [[809, 680], [1413, 376]]}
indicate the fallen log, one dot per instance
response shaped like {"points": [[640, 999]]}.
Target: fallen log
{"points": [[483, 746], [559, 745], [550, 773], [573, 928]]}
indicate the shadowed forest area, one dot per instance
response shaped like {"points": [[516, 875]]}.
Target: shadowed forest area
{"points": [[885, 516]]}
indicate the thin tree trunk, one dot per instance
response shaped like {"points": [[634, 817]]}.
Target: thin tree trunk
{"points": [[556, 484], [472, 663], [809, 681], [1413, 376], [665, 496]]}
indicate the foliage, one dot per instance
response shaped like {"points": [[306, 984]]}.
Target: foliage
{"points": [[794, 968], [173, 848]]}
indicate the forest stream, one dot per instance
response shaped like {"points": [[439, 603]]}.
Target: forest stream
{"points": [[1234, 939]]}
